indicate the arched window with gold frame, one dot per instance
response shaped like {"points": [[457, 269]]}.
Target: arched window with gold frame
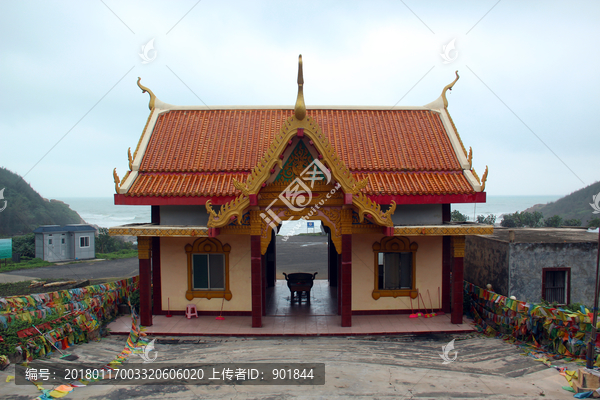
{"points": [[208, 269], [395, 267]]}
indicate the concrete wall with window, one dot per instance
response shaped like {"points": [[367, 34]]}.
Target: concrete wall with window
{"points": [[517, 269], [174, 275], [428, 274], [84, 244], [528, 261]]}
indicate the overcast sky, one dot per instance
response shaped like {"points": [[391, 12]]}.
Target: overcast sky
{"points": [[527, 100]]}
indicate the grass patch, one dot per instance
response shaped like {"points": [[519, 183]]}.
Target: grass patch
{"points": [[22, 288], [24, 264], [118, 254], [37, 262]]}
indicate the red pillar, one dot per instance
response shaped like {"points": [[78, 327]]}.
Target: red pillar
{"points": [[256, 280], [145, 271], [339, 283], [346, 280], [446, 290], [156, 282], [263, 263], [446, 297], [458, 248]]}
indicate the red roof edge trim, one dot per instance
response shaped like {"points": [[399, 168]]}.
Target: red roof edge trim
{"points": [[121, 199]]}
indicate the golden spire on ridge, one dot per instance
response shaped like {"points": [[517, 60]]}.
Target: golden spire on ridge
{"points": [[300, 108]]}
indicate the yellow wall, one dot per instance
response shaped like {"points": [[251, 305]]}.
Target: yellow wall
{"points": [[173, 273], [428, 270]]}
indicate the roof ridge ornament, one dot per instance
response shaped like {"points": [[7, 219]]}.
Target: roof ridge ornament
{"points": [[117, 181], [449, 87], [484, 178], [300, 107], [144, 90]]}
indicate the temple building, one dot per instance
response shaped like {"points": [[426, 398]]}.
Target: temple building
{"points": [[220, 181]]}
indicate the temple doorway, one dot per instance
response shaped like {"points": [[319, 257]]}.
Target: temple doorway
{"points": [[306, 249]]}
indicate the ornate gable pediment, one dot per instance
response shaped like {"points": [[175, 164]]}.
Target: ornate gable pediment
{"points": [[298, 160], [306, 129]]}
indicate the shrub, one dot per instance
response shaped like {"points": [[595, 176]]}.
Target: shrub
{"points": [[458, 216], [25, 245], [572, 222], [110, 244], [553, 222], [522, 220], [489, 220]]}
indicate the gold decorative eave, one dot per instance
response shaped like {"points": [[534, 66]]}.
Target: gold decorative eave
{"points": [[371, 209], [158, 230], [228, 212], [443, 230]]}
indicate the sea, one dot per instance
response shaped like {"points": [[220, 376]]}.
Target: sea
{"points": [[101, 211]]}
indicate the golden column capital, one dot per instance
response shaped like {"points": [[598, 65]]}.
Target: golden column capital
{"points": [[256, 223], [458, 246], [144, 247], [346, 219]]}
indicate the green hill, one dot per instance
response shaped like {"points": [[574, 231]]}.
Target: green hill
{"points": [[26, 209], [575, 205]]}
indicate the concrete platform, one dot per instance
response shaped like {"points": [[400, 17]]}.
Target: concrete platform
{"points": [[308, 325]]}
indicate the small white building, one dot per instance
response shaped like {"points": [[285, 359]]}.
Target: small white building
{"points": [[71, 242]]}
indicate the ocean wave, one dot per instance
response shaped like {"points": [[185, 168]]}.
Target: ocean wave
{"points": [[113, 218]]}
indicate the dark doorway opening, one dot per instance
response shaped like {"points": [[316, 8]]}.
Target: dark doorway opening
{"points": [[308, 254]]}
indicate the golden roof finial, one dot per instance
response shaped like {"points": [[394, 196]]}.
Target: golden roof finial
{"points": [[117, 181], [470, 158], [484, 178], [144, 90], [130, 159], [448, 87], [300, 108]]}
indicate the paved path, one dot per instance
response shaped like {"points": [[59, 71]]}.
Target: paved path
{"points": [[302, 254], [124, 267], [385, 367], [298, 254]]}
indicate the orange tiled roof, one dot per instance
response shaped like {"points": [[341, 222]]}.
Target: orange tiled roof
{"points": [[221, 184], [415, 183], [401, 151], [186, 184]]}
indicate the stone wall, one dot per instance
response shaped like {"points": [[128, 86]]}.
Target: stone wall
{"points": [[528, 259], [486, 261]]}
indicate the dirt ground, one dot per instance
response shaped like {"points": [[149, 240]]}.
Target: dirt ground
{"points": [[376, 367]]}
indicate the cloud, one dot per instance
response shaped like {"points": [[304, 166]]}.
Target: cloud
{"points": [[63, 57]]}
